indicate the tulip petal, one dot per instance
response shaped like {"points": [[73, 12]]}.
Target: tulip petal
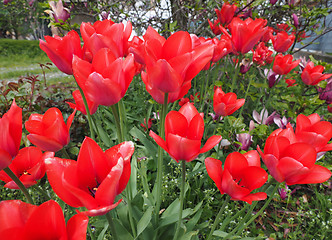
{"points": [[5, 159], [175, 123], [302, 152], [177, 44], [55, 168], [254, 197], [253, 177], [230, 187], [77, 226], [214, 170], [236, 164], [46, 222], [181, 148], [317, 174], [101, 210], [210, 143], [44, 143], [253, 158]]}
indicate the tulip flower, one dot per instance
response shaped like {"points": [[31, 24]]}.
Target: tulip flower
{"points": [[282, 41], [215, 26], [290, 82], [291, 161], [105, 80], [79, 104], [241, 175], [25, 221], [262, 55], [329, 108], [226, 13], [105, 34], [284, 64], [10, 134], [28, 166], [263, 117], [171, 64], [49, 132], [245, 34], [183, 134], [95, 179], [245, 139], [61, 50], [58, 11], [310, 129], [225, 104], [312, 75]]}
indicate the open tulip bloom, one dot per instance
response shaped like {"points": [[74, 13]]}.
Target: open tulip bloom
{"points": [[312, 75], [183, 134], [24, 221], [49, 132], [28, 166], [225, 104], [241, 175], [95, 179]]}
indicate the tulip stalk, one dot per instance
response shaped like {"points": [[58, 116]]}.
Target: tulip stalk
{"points": [[92, 133], [183, 182], [217, 220], [111, 225], [244, 223], [236, 72], [18, 182], [160, 156]]}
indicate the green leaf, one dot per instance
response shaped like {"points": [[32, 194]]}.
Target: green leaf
{"points": [[121, 231], [189, 235], [102, 233], [151, 148], [144, 221]]}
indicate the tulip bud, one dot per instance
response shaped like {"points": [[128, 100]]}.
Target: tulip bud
{"points": [[296, 20]]}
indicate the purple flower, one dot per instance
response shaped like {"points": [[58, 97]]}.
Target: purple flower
{"points": [[281, 122], [104, 15], [5, 2], [58, 11], [296, 20], [245, 65], [271, 76], [326, 93], [245, 139], [273, 1], [263, 117]]}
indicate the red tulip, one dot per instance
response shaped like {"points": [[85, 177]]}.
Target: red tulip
{"points": [[79, 104], [95, 179], [291, 161], [49, 132], [215, 27], [329, 108], [105, 80], [106, 34], [10, 134], [170, 64], [61, 50], [24, 221], [284, 64], [245, 34], [262, 55], [312, 75], [226, 13], [282, 42], [241, 175], [225, 104], [310, 129], [28, 166], [183, 133]]}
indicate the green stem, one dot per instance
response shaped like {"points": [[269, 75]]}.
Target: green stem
{"points": [[63, 150], [236, 73], [245, 97], [19, 184], [92, 133], [130, 210], [160, 157], [261, 210], [123, 119], [183, 182], [111, 225], [217, 220], [41, 191], [117, 122]]}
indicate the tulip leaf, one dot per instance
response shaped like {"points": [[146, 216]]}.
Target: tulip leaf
{"points": [[144, 221], [121, 231], [189, 235], [194, 220], [102, 233], [104, 136], [151, 148]]}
